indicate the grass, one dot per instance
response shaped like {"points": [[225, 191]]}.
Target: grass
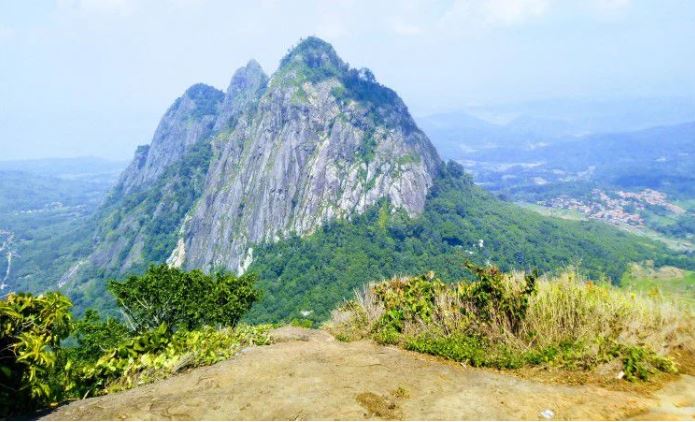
{"points": [[666, 282], [562, 213], [511, 321]]}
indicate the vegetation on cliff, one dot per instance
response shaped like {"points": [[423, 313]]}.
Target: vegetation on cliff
{"points": [[460, 222]]}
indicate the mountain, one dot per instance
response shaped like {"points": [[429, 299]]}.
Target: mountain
{"points": [[318, 179], [270, 158], [458, 135]]}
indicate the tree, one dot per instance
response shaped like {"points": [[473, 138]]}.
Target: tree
{"points": [[96, 335], [181, 299]]}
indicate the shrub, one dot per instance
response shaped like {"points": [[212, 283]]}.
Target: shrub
{"points": [[179, 299], [32, 371], [96, 335], [156, 354], [513, 320], [407, 300]]}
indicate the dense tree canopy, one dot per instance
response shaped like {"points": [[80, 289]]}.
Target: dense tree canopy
{"points": [[461, 222], [179, 299]]}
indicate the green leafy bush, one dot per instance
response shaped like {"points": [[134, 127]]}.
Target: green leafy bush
{"points": [[156, 354], [196, 316], [490, 296], [179, 299], [407, 300], [96, 335], [32, 372]]}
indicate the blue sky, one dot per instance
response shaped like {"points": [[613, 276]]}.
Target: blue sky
{"points": [[93, 77]]}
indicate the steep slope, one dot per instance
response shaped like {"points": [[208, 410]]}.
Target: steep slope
{"points": [[190, 119], [324, 142]]}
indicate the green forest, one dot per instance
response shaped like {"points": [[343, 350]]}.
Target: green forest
{"points": [[305, 278]]}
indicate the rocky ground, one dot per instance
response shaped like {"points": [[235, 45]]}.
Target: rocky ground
{"points": [[307, 374]]}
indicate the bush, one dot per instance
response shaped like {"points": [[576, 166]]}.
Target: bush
{"points": [[105, 355], [157, 354], [407, 300], [179, 299], [95, 336], [514, 320], [32, 371]]}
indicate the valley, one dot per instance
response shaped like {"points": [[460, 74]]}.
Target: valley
{"points": [[44, 203], [640, 181]]}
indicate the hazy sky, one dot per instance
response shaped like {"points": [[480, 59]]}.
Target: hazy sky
{"points": [[93, 77]]}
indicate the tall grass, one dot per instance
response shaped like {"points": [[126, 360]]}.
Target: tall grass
{"points": [[514, 320]]}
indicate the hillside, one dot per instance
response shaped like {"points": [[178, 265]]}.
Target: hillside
{"points": [[306, 277], [318, 178]]}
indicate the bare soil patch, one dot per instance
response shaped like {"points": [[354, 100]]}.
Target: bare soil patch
{"points": [[309, 375]]}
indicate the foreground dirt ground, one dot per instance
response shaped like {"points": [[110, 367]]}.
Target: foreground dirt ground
{"points": [[309, 375]]}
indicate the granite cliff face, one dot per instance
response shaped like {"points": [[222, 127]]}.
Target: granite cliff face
{"points": [[311, 150], [267, 159], [189, 120]]}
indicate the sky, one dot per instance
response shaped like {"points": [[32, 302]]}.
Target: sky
{"points": [[93, 77]]}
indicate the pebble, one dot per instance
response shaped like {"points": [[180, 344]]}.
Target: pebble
{"points": [[547, 414]]}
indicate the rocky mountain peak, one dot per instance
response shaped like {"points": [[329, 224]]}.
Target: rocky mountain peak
{"points": [[324, 141], [190, 118], [314, 53], [269, 158], [246, 87]]}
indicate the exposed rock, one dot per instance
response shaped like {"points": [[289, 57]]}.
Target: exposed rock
{"points": [[189, 120], [246, 87], [313, 150]]}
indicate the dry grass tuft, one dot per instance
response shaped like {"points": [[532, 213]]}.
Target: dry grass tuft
{"points": [[514, 320]]}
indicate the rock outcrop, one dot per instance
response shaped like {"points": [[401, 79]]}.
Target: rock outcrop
{"points": [[311, 150]]}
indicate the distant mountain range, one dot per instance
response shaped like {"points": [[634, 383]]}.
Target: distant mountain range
{"points": [[530, 124], [65, 167]]}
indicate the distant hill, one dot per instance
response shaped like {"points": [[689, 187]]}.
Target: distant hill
{"points": [[531, 124], [659, 158]]}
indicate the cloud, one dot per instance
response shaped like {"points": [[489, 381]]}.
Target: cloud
{"points": [[100, 7], [494, 12]]}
